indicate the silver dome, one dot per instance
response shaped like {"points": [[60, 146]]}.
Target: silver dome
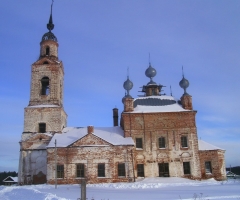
{"points": [[150, 72], [184, 83], [128, 85]]}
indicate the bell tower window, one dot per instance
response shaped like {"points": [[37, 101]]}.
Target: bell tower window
{"points": [[47, 51], [42, 127], [45, 86]]}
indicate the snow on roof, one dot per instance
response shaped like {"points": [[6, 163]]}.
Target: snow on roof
{"points": [[14, 179], [43, 106], [112, 135], [202, 145], [175, 107]]}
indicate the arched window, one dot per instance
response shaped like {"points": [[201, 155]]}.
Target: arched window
{"points": [[47, 51], [46, 63], [45, 86]]}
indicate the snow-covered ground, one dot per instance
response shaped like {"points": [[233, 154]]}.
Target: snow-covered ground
{"points": [[147, 189]]}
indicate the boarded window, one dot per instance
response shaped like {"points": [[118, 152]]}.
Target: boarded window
{"points": [[208, 167], [186, 168], [45, 86], [101, 170], [162, 143], [184, 142], [80, 170], [42, 127], [121, 169], [60, 171], [139, 143], [140, 170]]}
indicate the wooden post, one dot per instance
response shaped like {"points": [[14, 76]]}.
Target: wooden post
{"points": [[83, 189], [55, 164]]}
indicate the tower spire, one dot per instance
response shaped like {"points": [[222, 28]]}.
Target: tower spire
{"points": [[182, 72], [50, 25]]}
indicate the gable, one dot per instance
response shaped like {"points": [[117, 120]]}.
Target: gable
{"points": [[90, 140]]}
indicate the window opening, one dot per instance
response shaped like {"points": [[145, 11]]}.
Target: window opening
{"points": [[42, 127], [47, 51], [186, 168], [80, 170], [45, 86], [184, 142], [153, 92], [121, 169], [140, 170], [208, 167], [162, 143], [163, 169], [139, 143], [60, 171], [46, 62], [101, 170]]}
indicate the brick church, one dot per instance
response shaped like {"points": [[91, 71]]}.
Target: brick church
{"points": [[156, 136]]}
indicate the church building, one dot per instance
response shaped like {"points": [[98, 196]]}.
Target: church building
{"points": [[156, 136]]}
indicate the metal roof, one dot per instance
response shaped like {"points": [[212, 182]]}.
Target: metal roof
{"points": [[153, 102]]}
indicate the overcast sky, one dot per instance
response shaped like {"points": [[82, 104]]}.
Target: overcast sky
{"points": [[99, 40]]}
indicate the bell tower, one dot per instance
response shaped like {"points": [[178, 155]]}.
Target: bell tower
{"points": [[45, 112]]}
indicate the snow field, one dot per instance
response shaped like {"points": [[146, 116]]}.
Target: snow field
{"points": [[147, 189]]}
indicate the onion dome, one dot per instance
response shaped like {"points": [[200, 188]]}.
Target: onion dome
{"points": [[184, 83], [128, 85], [150, 71], [50, 26]]}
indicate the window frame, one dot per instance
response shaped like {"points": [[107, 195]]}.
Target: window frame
{"points": [[101, 170], [208, 169], [184, 141], [161, 142], [139, 145], [121, 170], [80, 170], [60, 171], [186, 168]]}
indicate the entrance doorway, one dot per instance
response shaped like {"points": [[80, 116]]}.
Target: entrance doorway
{"points": [[163, 169]]}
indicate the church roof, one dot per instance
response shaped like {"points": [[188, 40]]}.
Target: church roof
{"points": [[202, 145], [69, 135], [151, 104]]}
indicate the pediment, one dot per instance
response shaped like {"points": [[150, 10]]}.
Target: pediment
{"points": [[43, 61], [90, 140]]}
